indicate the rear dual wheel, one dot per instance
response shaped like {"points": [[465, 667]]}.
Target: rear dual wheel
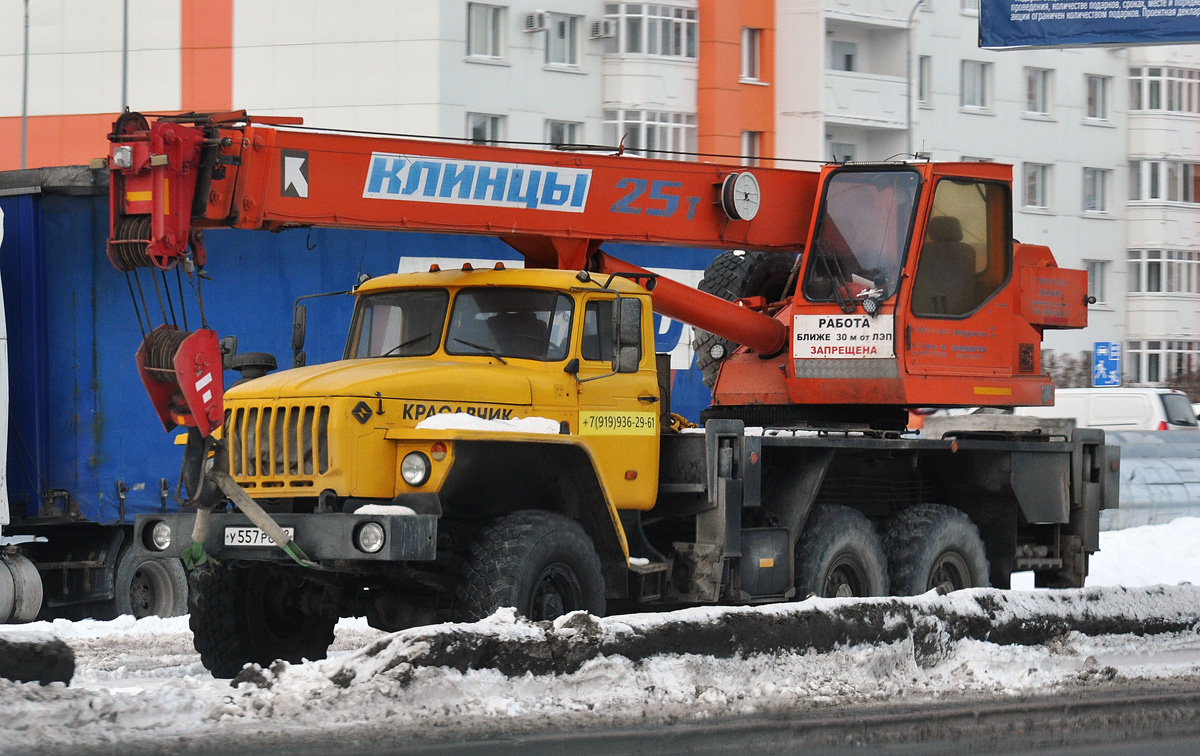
{"points": [[934, 547], [839, 555]]}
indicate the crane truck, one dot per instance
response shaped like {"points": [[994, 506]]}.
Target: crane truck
{"points": [[503, 436]]}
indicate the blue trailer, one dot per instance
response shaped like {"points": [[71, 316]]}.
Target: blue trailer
{"points": [[86, 452]]}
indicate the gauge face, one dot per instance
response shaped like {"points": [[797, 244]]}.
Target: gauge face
{"points": [[740, 196]]}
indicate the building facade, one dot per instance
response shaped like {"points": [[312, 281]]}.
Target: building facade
{"points": [[1104, 142]]}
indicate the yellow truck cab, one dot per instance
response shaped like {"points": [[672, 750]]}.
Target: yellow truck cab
{"points": [[443, 360]]}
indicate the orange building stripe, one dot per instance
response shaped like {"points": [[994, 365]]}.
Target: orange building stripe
{"points": [[206, 47], [727, 106], [55, 139]]}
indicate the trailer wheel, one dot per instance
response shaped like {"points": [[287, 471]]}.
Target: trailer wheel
{"points": [[737, 275], [933, 546], [249, 613], [146, 586], [541, 563], [839, 555]]}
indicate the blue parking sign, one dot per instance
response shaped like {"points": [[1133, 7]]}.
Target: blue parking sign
{"points": [[1106, 363]]}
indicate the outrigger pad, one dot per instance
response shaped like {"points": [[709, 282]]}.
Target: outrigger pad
{"points": [[42, 658]]}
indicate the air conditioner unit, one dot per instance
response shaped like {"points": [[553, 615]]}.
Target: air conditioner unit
{"points": [[535, 22], [603, 29]]}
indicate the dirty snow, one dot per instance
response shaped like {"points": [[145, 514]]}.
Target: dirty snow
{"points": [[141, 682]]}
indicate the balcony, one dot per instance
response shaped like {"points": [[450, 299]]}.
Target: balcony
{"points": [[865, 100], [888, 13]]}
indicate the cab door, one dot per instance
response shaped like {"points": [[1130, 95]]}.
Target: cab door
{"points": [[959, 308], [619, 412]]}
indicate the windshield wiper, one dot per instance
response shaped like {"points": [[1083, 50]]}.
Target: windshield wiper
{"points": [[482, 348], [403, 344], [834, 270]]}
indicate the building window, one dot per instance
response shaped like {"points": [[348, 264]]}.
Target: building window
{"points": [[1154, 271], [970, 7], [652, 29], [1097, 273], [485, 31], [750, 50], [1171, 89], [1135, 272], [1037, 91], [563, 132], [1170, 180], [1133, 362], [842, 152], [562, 40], [924, 74], [652, 133], [842, 56], [1095, 190], [1037, 185], [1097, 97], [751, 147], [975, 92], [483, 128]]}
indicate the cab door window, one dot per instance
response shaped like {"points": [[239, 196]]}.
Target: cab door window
{"points": [[965, 256], [597, 343]]}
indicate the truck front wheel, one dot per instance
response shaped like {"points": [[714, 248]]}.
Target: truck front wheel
{"points": [[249, 613], [541, 563], [933, 546], [839, 555]]}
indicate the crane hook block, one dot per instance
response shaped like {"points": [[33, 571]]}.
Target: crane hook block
{"points": [[182, 373]]}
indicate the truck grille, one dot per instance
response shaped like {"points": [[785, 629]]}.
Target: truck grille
{"points": [[280, 445]]}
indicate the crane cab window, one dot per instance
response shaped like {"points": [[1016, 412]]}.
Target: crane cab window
{"points": [[862, 232], [398, 324], [507, 322], [965, 257]]}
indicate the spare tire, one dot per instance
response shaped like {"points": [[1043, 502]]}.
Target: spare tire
{"points": [[736, 275]]}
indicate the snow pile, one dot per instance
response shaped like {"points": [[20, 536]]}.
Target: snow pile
{"points": [[140, 683], [722, 661], [463, 421]]}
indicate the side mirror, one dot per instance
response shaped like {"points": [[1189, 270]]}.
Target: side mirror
{"points": [[625, 360], [627, 334], [228, 350], [299, 325], [572, 366], [627, 322]]}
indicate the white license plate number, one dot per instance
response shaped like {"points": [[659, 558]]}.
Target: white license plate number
{"points": [[252, 536]]}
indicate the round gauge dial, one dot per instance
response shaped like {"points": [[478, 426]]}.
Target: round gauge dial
{"points": [[740, 196]]}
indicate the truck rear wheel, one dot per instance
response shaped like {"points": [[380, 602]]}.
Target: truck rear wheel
{"points": [[839, 555], [249, 613], [737, 275], [146, 586], [541, 563], [933, 546]]}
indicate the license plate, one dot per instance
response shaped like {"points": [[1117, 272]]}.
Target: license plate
{"points": [[252, 536]]}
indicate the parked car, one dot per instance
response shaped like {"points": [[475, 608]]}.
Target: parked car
{"points": [[1121, 409]]}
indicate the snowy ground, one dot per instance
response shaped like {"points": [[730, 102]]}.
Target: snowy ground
{"points": [[141, 682]]}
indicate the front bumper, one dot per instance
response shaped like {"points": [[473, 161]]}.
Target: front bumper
{"points": [[322, 536]]}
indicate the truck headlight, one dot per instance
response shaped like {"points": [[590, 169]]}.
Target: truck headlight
{"points": [[369, 537], [414, 468], [159, 536]]}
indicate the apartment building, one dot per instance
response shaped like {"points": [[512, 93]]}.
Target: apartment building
{"points": [[1104, 143]]}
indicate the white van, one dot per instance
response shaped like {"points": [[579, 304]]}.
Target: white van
{"points": [[1120, 409]]}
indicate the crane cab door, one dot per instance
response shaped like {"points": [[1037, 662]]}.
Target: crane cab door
{"points": [[959, 311], [618, 411]]}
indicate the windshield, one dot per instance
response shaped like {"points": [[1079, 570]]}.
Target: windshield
{"points": [[505, 322], [398, 324], [861, 235], [1179, 410]]}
